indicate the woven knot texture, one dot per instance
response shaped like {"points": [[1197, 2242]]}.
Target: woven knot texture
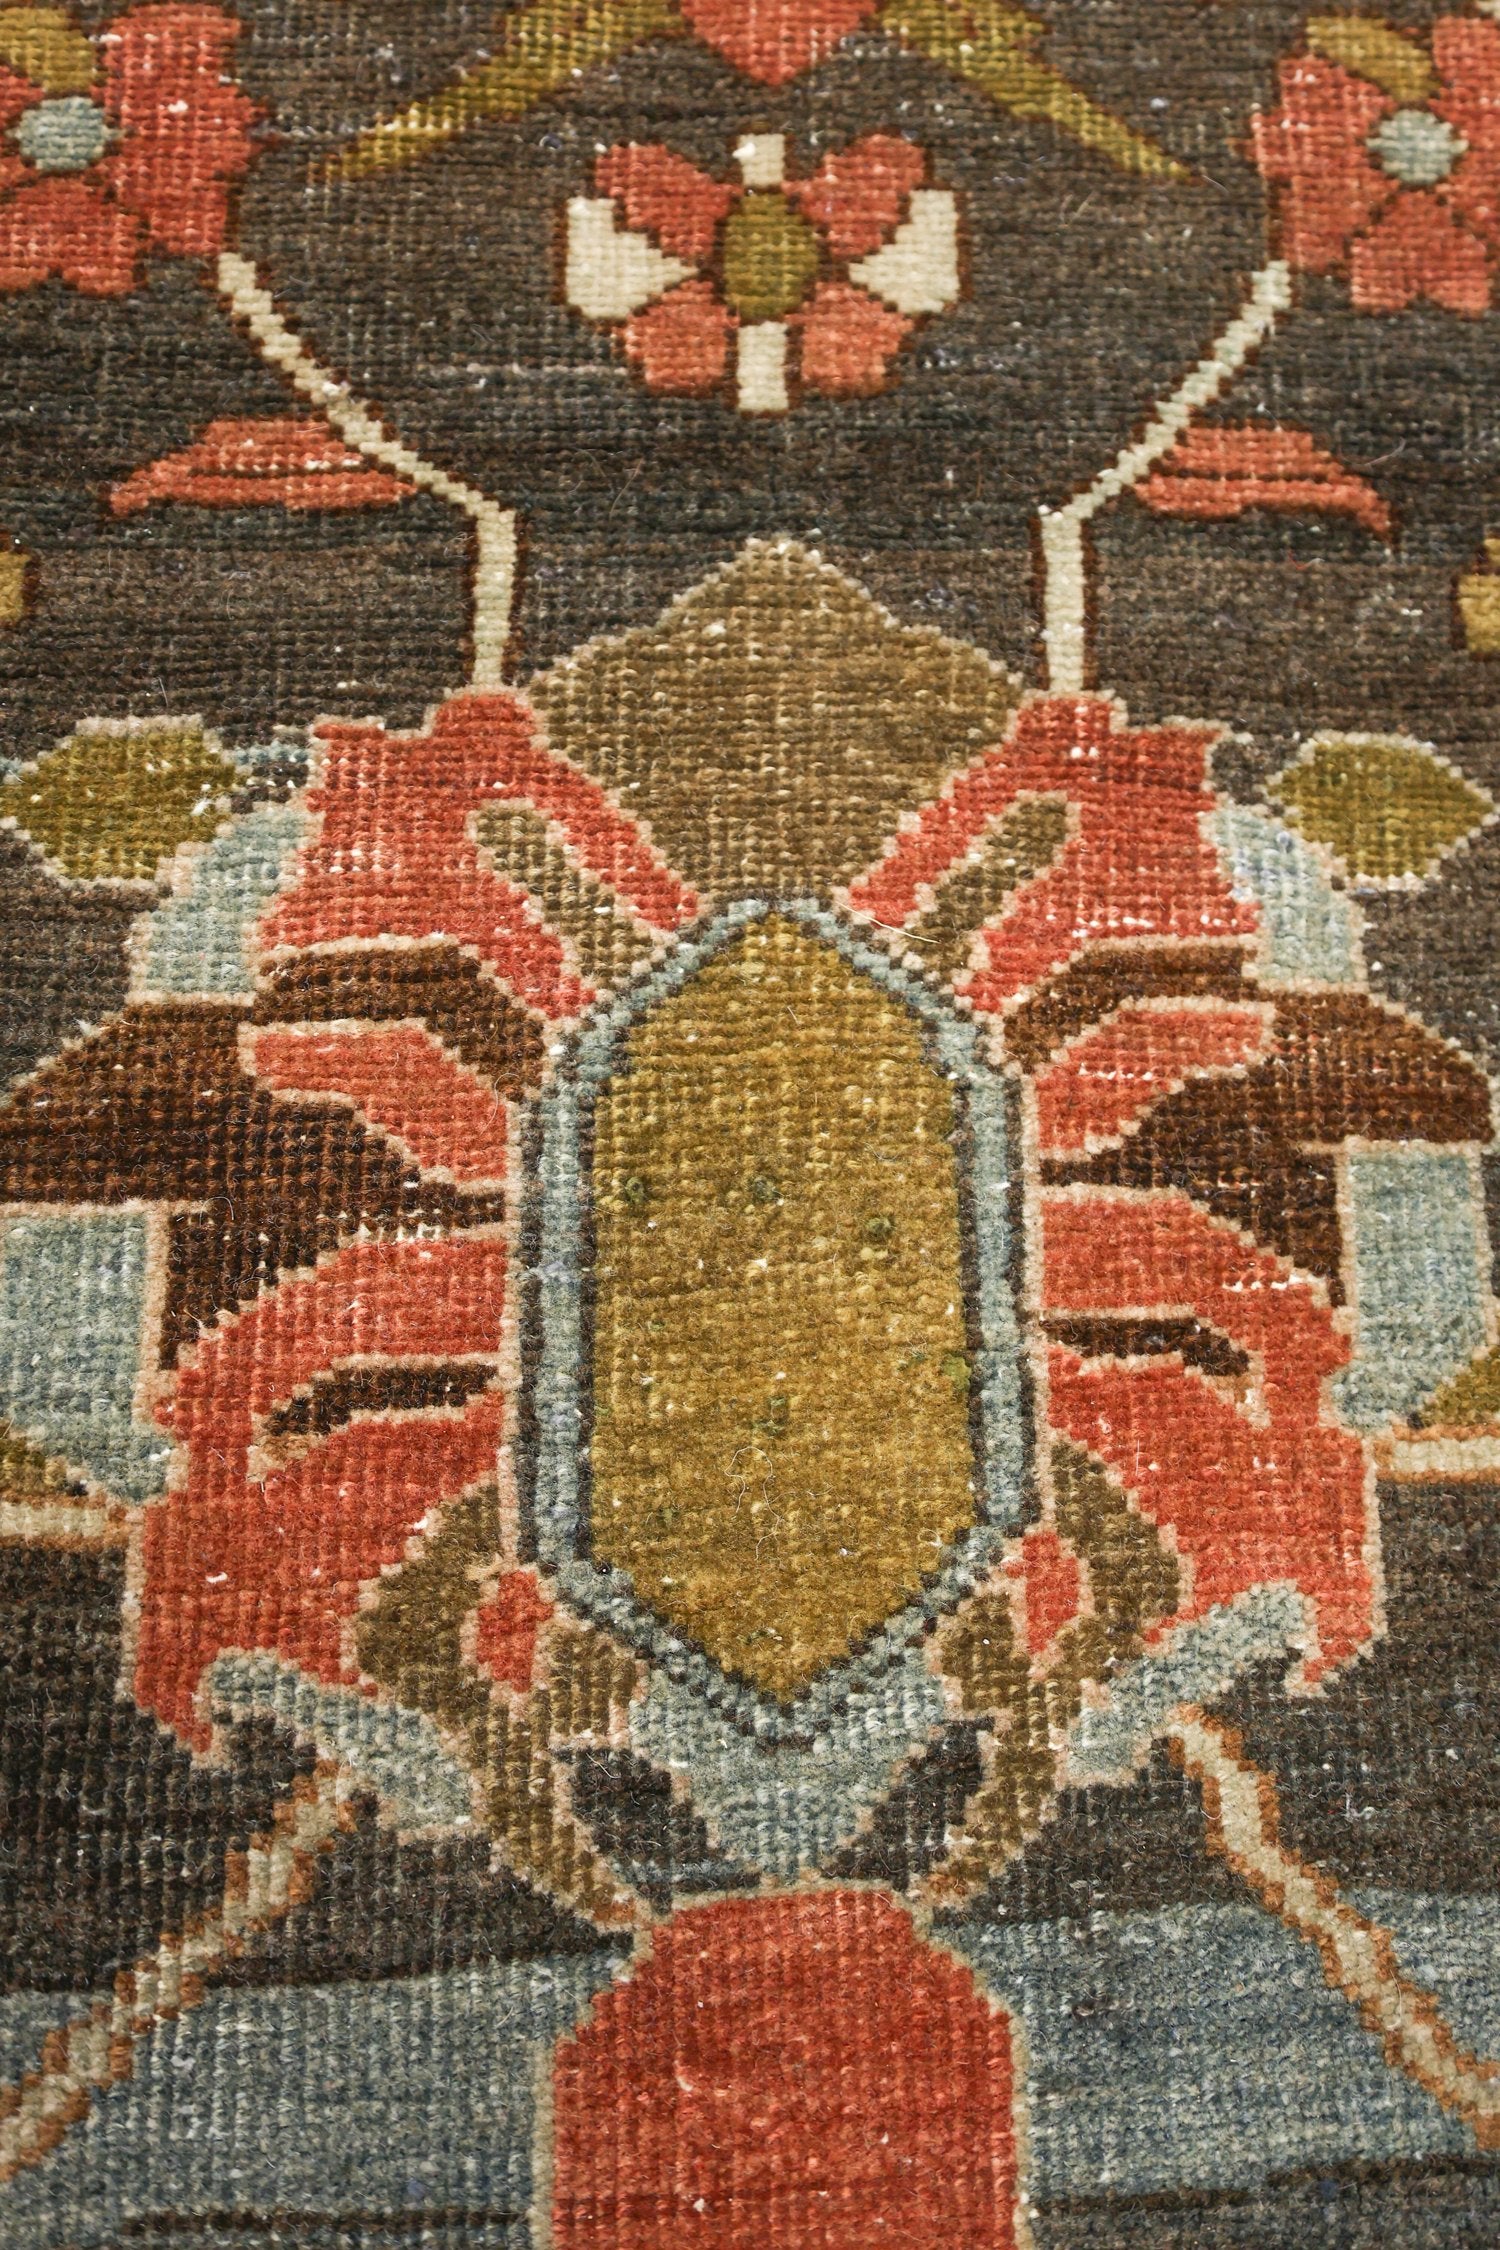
{"points": [[749, 890]]}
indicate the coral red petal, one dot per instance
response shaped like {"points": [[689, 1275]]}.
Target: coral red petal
{"points": [[240, 1558], [793, 2073], [162, 55], [505, 1629], [1221, 469], [1419, 249], [283, 461], [857, 199], [1107, 1079], [69, 230], [399, 1079], [393, 854], [186, 130], [1286, 1500], [681, 343], [1473, 192], [1468, 55], [666, 197], [773, 40], [1320, 218], [1314, 146], [1466, 51], [1052, 1586], [1326, 115], [848, 341], [178, 184], [17, 95]]}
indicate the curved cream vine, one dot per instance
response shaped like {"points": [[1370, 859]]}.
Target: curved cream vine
{"points": [[1065, 561], [494, 570]]}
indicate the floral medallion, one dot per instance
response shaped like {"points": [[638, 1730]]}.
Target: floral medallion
{"points": [[749, 1389], [909, 1200], [817, 281]]}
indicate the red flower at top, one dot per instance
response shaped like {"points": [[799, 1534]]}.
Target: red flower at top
{"points": [[769, 286], [1388, 157], [116, 145], [774, 40]]}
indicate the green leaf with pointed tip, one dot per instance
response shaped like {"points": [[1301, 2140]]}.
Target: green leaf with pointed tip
{"points": [[991, 46], [114, 801], [1470, 1397], [1388, 809], [26, 1472]]}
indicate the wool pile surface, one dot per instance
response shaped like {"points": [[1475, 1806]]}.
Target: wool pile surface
{"points": [[749, 1377]]}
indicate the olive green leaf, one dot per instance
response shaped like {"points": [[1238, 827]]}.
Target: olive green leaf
{"points": [[1387, 808], [1479, 603], [540, 50], [993, 46], [118, 797], [1400, 66], [1470, 1397]]}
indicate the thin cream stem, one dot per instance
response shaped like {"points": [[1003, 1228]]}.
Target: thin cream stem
{"points": [[1065, 589], [1359, 1956], [494, 575]]}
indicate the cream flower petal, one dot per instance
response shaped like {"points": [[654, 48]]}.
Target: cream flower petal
{"points": [[917, 270], [612, 272]]}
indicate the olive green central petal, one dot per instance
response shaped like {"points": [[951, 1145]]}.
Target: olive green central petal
{"points": [[781, 1445], [770, 257]]}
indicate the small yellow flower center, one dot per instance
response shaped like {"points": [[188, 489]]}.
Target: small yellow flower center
{"points": [[770, 257]]}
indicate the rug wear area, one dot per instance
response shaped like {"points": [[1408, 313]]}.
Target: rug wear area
{"points": [[749, 1360]]}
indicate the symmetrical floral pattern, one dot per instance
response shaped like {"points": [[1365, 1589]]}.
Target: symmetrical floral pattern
{"points": [[767, 286], [663, 1330], [1387, 154], [1186, 1239]]}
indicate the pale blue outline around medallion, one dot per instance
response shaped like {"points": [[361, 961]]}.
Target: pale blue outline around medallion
{"points": [[559, 1512]]}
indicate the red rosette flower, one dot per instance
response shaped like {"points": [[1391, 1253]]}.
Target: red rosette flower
{"points": [[118, 145], [1386, 152], [769, 284]]}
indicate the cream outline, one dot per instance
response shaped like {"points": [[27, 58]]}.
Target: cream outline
{"points": [[493, 575], [1064, 550]]}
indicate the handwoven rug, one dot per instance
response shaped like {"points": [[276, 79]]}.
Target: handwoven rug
{"points": [[750, 1468]]}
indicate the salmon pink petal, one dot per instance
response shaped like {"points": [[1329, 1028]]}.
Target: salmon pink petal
{"points": [[1419, 249], [1467, 54], [186, 129], [666, 197], [17, 95], [1473, 192], [848, 341], [773, 40], [681, 343], [856, 199], [67, 228], [1315, 147]]}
